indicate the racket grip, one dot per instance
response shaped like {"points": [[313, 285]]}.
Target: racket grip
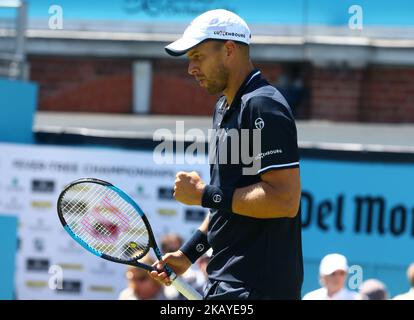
{"points": [[184, 288]]}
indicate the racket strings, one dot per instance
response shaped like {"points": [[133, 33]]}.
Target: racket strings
{"points": [[101, 228], [105, 232], [105, 221]]}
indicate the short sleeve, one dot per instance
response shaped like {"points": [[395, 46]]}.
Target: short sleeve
{"points": [[275, 125]]}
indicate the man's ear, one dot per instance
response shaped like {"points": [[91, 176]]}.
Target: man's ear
{"points": [[230, 48]]}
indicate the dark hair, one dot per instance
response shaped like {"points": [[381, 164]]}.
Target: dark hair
{"points": [[220, 42], [223, 41], [169, 239]]}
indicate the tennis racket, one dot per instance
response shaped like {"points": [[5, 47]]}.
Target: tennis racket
{"points": [[108, 223]]}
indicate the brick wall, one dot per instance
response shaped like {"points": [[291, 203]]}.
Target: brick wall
{"points": [[174, 91], [388, 94], [83, 84], [372, 94], [335, 94]]}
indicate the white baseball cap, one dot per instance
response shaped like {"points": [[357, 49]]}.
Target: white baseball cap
{"points": [[331, 263], [216, 24]]}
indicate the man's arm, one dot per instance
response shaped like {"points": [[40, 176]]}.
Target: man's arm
{"points": [[276, 196], [177, 260]]}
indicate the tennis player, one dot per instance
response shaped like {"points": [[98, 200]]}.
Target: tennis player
{"points": [[254, 225]]}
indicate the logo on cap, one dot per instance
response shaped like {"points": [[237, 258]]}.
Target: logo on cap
{"points": [[212, 24], [223, 33]]}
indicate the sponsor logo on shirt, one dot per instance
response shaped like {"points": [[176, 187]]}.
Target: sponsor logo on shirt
{"points": [[268, 153]]}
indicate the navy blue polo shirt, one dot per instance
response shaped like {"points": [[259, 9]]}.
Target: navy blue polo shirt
{"points": [[263, 254]]}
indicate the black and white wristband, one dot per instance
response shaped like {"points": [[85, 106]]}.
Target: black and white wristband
{"points": [[196, 246], [217, 198]]}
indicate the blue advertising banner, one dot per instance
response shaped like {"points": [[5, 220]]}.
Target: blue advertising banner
{"points": [[18, 103], [294, 12], [8, 247], [362, 210]]}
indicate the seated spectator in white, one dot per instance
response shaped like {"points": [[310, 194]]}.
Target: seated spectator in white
{"points": [[169, 243], [373, 289], [140, 284], [410, 294], [202, 275], [333, 271]]}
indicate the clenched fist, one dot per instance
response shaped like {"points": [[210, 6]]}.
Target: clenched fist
{"points": [[188, 188]]}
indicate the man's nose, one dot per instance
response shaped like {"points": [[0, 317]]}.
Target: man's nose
{"points": [[192, 68]]}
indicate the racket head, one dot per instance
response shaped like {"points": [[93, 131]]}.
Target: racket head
{"points": [[106, 221]]}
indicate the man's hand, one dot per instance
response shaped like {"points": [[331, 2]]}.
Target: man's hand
{"points": [[177, 261], [188, 188]]}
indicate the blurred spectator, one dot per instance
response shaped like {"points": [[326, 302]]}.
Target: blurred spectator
{"points": [[203, 261], [290, 84], [333, 271], [373, 289], [410, 294], [201, 274], [171, 242], [140, 285]]}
